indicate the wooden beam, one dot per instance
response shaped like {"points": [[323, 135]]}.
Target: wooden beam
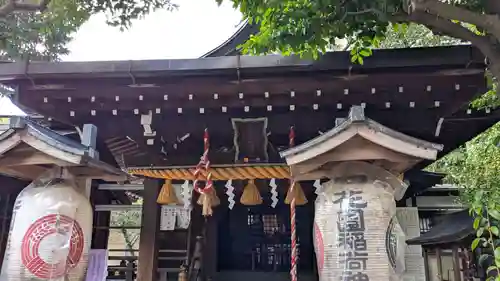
{"points": [[148, 254], [10, 143], [258, 100], [94, 173], [307, 122], [23, 172], [16, 158]]}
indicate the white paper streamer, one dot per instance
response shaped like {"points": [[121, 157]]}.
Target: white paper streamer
{"points": [[187, 193], [230, 194], [173, 217], [317, 186], [274, 193]]}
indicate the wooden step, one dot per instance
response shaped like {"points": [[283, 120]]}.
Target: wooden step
{"points": [[172, 251], [167, 270], [172, 258]]}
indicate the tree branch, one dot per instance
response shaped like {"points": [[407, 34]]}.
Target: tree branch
{"points": [[13, 6], [490, 23], [446, 27]]}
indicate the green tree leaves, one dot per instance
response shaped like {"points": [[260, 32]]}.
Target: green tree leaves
{"points": [[44, 35], [40, 36]]}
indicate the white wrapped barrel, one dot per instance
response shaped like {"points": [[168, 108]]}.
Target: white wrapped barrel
{"points": [[356, 232], [50, 235]]}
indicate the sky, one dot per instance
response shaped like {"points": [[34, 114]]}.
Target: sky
{"points": [[192, 30], [196, 27]]}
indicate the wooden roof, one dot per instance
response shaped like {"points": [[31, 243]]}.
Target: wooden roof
{"points": [[452, 228], [359, 138], [154, 112], [335, 64], [28, 150], [230, 46]]}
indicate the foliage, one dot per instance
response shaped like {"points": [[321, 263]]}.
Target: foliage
{"points": [[122, 12], [124, 220], [307, 28], [40, 36], [37, 35], [475, 166], [491, 98], [414, 36], [486, 224]]}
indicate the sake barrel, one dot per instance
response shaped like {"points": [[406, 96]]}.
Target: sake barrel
{"points": [[356, 232], [50, 235]]}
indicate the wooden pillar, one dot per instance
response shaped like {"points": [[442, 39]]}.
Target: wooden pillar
{"points": [[426, 263], [100, 233], [439, 264], [456, 264], [148, 252], [210, 253]]}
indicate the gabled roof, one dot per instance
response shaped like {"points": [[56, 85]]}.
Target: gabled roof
{"points": [[230, 46], [28, 149], [358, 138], [453, 228], [420, 182]]}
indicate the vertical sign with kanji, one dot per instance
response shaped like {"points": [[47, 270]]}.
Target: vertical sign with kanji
{"points": [[351, 242]]}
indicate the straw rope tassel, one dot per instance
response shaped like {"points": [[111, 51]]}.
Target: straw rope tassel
{"points": [[182, 274], [167, 194], [294, 254], [207, 197], [251, 195], [297, 194]]}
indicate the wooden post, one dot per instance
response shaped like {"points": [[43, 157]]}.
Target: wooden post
{"points": [[89, 139], [426, 263], [456, 264], [210, 250], [148, 252], [100, 235], [439, 264]]}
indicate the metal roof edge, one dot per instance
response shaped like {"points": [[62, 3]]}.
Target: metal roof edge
{"points": [[230, 46], [454, 57]]}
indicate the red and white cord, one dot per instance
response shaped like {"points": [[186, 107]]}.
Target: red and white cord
{"points": [[294, 254], [204, 164]]}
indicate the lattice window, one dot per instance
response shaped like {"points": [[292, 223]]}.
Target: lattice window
{"points": [[271, 224]]}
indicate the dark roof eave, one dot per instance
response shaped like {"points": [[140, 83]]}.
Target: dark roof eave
{"points": [[357, 117], [455, 57], [453, 228], [61, 143], [230, 46], [421, 181], [448, 239]]}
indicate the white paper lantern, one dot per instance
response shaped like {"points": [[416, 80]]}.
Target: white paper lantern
{"points": [[50, 235], [356, 233]]}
